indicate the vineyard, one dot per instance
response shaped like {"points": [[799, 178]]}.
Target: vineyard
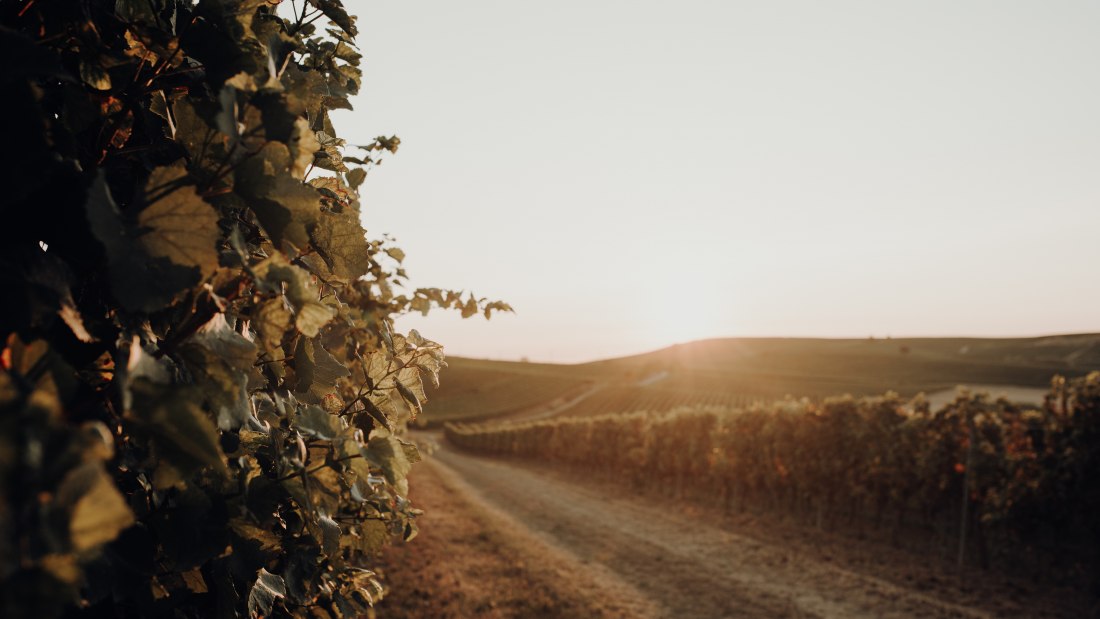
{"points": [[1027, 473], [206, 399], [740, 373], [617, 399]]}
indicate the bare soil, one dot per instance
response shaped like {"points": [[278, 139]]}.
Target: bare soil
{"points": [[471, 560], [502, 539]]}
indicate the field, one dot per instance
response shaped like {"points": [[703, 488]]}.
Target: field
{"points": [[598, 501], [474, 390], [737, 372], [519, 539], [684, 483]]}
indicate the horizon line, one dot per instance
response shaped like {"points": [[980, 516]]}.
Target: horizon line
{"points": [[887, 337]]}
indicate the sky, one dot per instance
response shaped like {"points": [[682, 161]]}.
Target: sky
{"points": [[629, 175]]}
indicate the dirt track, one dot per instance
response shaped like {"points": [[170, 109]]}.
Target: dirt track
{"points": [[637, 558], [689, 569]]}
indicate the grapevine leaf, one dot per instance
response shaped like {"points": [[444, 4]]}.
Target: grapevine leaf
{"points": [[98, 511], [356, 177], [334, 10], [304, 367], [264, 539], [303, 144], [220, 358], [316, 421], [139, 283], [48, 293], [183, 436], [376, 413], [388, 454], [396, 253], [310, 314], [227, 344], [310, 89], [94, 75], [311, 317], [412, 453], [204, 144], [354, 457], [326, 490], [408, 378], [373, 535], [342, 243], [286, 207], [327, 370], [330, 535], [225, 388], [272, 320], [409, 397], [420, 304], [318, 371], [267, 588], [470, 307]]}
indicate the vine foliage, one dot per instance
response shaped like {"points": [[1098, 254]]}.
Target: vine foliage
{"points": [[202, 395], [1003, 483]]}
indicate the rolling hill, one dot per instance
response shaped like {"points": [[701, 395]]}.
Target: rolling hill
{"points": [[738, 371]]}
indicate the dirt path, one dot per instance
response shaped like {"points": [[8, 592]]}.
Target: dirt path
{"points": [[473, 561], [617, 555], [549, 409]]}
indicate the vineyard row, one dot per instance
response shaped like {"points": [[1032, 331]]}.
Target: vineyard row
{"points": [[994, 479]]}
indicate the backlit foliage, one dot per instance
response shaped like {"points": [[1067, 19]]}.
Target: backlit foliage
{"points": [[202, 395]]}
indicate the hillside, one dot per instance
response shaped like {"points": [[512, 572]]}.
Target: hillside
{"points": [[473, 389], [737, 371]]}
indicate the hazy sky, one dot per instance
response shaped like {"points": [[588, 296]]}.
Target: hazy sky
{"points": [[634, 174]]}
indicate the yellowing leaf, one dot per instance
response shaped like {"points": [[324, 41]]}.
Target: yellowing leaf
{"points": [[470, 307], [409, 396], [271, 320], [303, 144], [334, 10], [356, 177], [179, 225], [312, 316], [98, 511], [388, 454], [373, 536], [420, 304], [342, 242], [139, 281], [94, 75], [396, 253]]}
